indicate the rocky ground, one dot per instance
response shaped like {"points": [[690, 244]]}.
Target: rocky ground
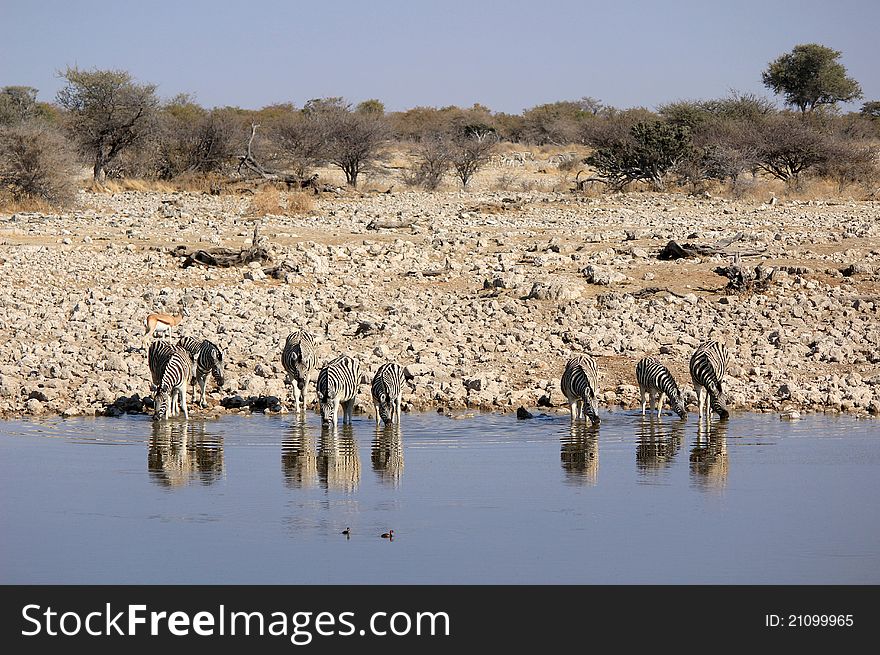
{"points": [[482, 298]]}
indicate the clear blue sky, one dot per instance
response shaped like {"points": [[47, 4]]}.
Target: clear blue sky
{"points": [[507, 55]]}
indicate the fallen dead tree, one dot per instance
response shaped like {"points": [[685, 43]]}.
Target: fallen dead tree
{"points": [[744, 279], [225, 257], [674, 250]]}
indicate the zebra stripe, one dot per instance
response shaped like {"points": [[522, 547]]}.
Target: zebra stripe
{"points": [[299, 360], [708, 365], [580, 381], [157, 358], [338, 382], [387, 391], [206, 358], [656, 382], [172, 387]]}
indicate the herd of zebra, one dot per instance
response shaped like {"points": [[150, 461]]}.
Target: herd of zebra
{"points": [[708, 364], [190, 361]]}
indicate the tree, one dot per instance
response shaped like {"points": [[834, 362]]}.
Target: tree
{"points": [[432, 158], [871, 109], [351, 141], [371, 106], [469, 154], [36, 163], [649, 152], [109, 113], [19, 104], [810, 76], [299, 142], [786, 147], [192, 139]]}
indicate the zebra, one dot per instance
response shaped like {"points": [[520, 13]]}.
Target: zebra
{"points": [[387, 390], [708, 365], [299, 359], [656, 382], [159, 353], [171, 393], [207, 358], [338, 382], [580, 381]]}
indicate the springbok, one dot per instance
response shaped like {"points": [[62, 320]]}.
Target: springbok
{"points": [[159, 322]]}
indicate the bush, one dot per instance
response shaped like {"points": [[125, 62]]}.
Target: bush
{"points": [[36, 163], [648, 152]]}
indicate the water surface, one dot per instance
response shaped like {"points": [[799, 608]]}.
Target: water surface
{"points": [[488, 499]]}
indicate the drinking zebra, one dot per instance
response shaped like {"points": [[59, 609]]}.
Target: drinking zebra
{"points": [[387, 390], [159, 353], [207, 358], [656, 382], [171, 393], [580, 381], [338, 382], [708, 365], [299, 359]]}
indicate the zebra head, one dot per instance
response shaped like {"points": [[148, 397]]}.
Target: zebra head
{"points": [[676, 401], [591, 405], [329, 403], [163, 404], [386, 407], [217, 365], [719, 404]]}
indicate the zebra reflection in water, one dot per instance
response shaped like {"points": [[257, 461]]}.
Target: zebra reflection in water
{"points": [[709, 457], [579, 453], [299, 463], [658, 443], [338, 460], [387, 453], [179, 453]]}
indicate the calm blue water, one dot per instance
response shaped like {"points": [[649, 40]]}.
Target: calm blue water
{"points": [[488, 499]]}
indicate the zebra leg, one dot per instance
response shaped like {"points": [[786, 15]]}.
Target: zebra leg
{"points": [[660, 404], [377, 414], [579, 415], [653, 398], [182, 395], [203, 383], [571, 406], [644, 400], [347, 411], [296, 394], [396, 418]]}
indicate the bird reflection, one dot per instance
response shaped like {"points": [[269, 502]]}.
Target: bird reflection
{"points": [[179, 453], [298, 461], [580, 453], [709, 457], [338, 460], [387, 453], [658, 443]]}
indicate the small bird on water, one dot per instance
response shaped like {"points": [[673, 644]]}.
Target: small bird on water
{"points": [[388, 535], [347, 533]]}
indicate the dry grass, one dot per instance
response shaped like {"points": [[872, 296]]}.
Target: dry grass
{"points": [[269, 201], [9, 205], [300, 202], [118, 186]]}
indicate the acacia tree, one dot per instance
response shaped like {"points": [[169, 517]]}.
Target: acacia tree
{"points": [[109, 113], [36, 162], [469, 153], [648, 152], [787, 147], [351, 140], [810, 76]]}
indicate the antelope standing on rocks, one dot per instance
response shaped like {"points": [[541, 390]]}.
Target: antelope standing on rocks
{"points": [[161, 324]]}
